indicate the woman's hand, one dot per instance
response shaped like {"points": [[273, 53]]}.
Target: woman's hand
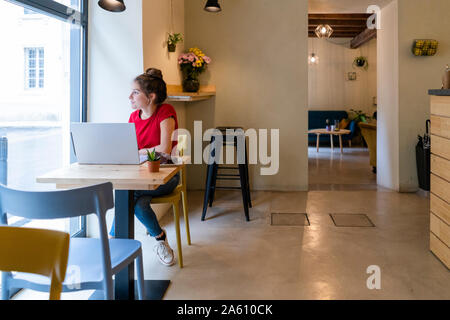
{"points": [[143, 152]]}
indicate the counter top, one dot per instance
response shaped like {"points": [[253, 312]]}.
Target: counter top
{"points": [[175, 93], [439, 92]]}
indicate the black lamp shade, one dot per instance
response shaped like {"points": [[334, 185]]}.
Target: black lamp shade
{"points": [[212, 6], [112, 5]]}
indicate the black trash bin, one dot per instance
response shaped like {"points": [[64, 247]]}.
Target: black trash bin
{"points": [[423, 159]]}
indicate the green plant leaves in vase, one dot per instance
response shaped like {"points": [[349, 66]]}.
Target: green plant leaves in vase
{"points": [[172, 41], [152, 156]]}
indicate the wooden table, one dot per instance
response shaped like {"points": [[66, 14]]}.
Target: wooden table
{"points": [[339, 133], [125, 179]]}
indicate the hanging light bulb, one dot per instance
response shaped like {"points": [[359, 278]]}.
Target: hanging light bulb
{"points": [[212, 6], [112, 5], [313, 59], [324, 31]]}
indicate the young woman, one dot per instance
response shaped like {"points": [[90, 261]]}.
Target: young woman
{"points": [[155, 122]]}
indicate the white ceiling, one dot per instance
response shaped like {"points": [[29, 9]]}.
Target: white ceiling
{"points": [[343, 6]]}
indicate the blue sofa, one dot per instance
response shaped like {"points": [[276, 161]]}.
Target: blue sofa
{"points": [[317, 120]]}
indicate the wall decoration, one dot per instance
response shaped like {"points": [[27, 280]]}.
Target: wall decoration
{"points": [[361, 62], [425, 47]]}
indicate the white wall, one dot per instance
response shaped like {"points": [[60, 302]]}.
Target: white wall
{"points": [[388, 103], [329, 87], [115, 58]]}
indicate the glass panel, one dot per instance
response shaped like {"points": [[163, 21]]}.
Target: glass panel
{"points": [[74, 4], [36, 122]]}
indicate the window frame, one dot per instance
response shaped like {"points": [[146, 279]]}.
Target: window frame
{"points": [[79, 64]]}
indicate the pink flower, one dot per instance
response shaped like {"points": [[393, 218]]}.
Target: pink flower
{"points": [[207, 59]]}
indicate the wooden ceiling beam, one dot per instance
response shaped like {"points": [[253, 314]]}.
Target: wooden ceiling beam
{"points": [[363, 37], [332, 23], [339, 16], [337, 35]]}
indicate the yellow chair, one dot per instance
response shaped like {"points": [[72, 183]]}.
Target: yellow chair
{"points": [[179, 193], [38, 251], [369, 133]]}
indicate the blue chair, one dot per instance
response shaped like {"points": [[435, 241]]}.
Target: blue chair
{"points": [[349, 137], [92, 262]]}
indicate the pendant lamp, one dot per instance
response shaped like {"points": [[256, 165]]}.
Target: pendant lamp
{"points": [[112, 5], [324, 31], [212, 6]]}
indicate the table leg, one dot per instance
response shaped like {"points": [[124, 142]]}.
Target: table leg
{"points": [[317, 144], [331, 139], [124, 283], [340, 143], [124, 229]]}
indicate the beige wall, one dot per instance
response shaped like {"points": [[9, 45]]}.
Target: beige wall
{"points": [[259, 52], [418, 19], [329, 88], [405, 107], [156, 17]]}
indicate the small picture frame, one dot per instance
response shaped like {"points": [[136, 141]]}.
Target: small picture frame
{"points": [[351, 76]]}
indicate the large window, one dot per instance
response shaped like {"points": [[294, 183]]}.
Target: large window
{"points": [[43, 63]]}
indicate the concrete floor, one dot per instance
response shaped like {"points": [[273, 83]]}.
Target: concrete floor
{"points": [[233, 259]]}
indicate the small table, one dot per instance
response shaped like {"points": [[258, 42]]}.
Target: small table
{"points": [[125, 179], [339, 133]]}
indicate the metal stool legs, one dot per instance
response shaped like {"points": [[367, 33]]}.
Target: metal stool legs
{"points": [[213, 175]]}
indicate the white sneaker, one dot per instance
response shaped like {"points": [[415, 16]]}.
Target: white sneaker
{"points": [[164, 252]]}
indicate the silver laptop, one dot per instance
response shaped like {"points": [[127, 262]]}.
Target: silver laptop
{"points": [[105, 143]]}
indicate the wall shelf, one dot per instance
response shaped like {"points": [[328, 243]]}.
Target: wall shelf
{"points": [[175, 93]]}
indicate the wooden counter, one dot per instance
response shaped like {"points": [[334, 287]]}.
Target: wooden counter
{"points": [[440, 178]]}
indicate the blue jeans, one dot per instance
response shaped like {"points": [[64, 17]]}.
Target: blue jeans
{"points": [[143, 210]]}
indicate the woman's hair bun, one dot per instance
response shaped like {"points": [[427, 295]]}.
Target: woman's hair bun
{"points": [[155, 73]]}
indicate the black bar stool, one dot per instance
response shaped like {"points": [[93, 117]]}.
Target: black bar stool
{"points": [[212, 174]]}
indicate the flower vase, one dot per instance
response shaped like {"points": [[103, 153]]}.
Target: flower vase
{"points": [[191, 85]]}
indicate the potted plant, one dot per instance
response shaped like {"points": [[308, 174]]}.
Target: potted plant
{"points": [[360, 116], [172, 41], [361, 62], [192, 63], [153, 161]]}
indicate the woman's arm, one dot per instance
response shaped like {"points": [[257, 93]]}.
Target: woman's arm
{"points": [[167, 128]]}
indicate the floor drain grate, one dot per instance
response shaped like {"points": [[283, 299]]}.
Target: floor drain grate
{"points": [[351, 220], [289, 219]]}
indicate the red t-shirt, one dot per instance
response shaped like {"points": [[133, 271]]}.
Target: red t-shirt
{"points": [[148, 132]]}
